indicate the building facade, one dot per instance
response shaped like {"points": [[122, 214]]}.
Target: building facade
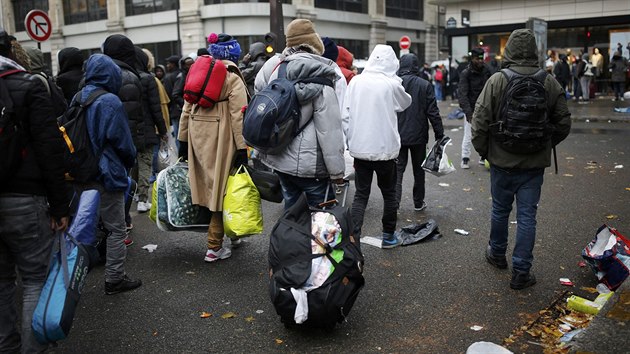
{"points": [[180, 27]]}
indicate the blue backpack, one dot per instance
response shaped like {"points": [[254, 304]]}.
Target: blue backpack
{"points": [[272, 119]]}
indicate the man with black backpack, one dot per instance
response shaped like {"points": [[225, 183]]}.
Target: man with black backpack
{"points": [[34, 198], [521, 114]]}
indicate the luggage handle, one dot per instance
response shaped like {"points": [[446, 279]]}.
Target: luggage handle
{"points": [[326, 203]]}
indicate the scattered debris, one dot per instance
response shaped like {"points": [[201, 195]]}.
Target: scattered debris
{"points": [[205, 315], [567, 175], [469, 209], [249, 319], [461, 232], [476, 328], [441, 184], [566, 281], [570, 158], [454, 129], [468, 189], [190, 272], [372, 241], [150, 248], [592, 163], [259, 311], [228, 315], [279, 341], [618, 167], [611, 216], [628, 189], [582, 264], [513, 222]]}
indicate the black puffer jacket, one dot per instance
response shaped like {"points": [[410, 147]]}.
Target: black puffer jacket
{"points": [[122, 51], [471, 83], [151, 107], [70, 71], [413, 123], [41, 171]]}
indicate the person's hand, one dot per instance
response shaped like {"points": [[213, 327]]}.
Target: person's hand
{"points": [[247, 58], [240, 158], [59, 225], [439, 137]]}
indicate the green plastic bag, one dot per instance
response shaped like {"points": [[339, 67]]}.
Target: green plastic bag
{"points": [[242, 212], [153, 211]]}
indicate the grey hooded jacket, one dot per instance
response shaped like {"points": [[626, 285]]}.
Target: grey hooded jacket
{"points": [[317, 152]]}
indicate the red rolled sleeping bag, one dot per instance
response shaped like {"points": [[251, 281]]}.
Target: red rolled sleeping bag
{"points": [[204, 81]]}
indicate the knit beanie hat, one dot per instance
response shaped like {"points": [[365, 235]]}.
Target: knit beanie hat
{"points": [[476, 53], [302, 31], [330, 49], [224, 47]]}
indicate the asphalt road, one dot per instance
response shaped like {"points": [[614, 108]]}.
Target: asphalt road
{"points": [[422, 298]]}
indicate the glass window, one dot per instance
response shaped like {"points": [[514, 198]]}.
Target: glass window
{"points": [[409, 9], [139, 7], [360, 49], [161, 50], [22, 7], [78, 11], [360, 6], [212, 2]]}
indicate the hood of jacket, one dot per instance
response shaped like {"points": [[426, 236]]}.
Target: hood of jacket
{"points": [[382, 60], [70, 58], [345, 58], [120, 48], [101, 71], [256, 49], [37, 59], [409, 65], [304, 65], [142, 60], [520, 49]]}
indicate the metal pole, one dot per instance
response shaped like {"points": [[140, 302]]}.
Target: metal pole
{"points": [[277, 23], [179, 38]]}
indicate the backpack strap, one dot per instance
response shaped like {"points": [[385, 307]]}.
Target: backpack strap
{"points": [[90, 99]]}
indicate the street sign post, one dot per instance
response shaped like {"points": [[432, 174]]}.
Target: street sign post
{"points": [[404, 42], [38, 26]]}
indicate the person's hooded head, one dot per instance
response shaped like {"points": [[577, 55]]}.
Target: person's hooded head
{"points": [[345, 58], [409, 65], [70, 58], [476, 58], [142, 60], [301, 35], [562, 57], [330, 49], [120, 48], [521, 49], [382, 60], [101, 71], [38, 64], [5, 44], [224, 47], [159, 71], [256, 49]]}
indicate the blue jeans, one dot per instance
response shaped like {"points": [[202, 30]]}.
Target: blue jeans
{"points": [[26, 241], [525, 185], [315, 189]]}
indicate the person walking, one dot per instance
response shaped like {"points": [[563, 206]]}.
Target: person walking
{"points": [[370, 125], [413, 127], [471, 82], [315, 156], [34, 203], [517, 174], [211, 139], [562, 73], [618, 70]]}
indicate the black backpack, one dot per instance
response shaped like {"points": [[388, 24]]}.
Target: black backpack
{"points": [[272, 118], [81, 163], [58, 98], [12, 135], [523, 123]]}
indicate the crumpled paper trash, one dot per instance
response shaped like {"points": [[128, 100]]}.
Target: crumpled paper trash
{"points": [[150, 248]]}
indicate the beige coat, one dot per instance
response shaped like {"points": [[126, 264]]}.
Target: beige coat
{"points": [[213, 136]]}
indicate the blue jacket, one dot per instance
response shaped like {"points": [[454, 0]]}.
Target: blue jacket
{"points": [[107, 122]]}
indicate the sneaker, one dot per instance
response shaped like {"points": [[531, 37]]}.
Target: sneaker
{"points": [[522, 280], [482, 161], [143, 207], [125, 284], [222, 253], [421, 207], [464, 164], [236, 242], [496, 261], [390, 241], [129, 228], [128, 241]]}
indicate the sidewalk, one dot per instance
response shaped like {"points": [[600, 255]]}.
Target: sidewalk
{"points": [[600, 109]]}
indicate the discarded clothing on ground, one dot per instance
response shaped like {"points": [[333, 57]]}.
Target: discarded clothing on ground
{"points": [[415, 233], [456, 114], [608, 255]]}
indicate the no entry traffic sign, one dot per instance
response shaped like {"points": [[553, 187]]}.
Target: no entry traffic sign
{"points": [[38, 25], [404, 42]]}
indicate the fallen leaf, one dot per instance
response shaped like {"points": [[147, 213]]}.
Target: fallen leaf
{"points": [[228, 315], [611, 216], [205, 315], [249, 319], [155, 333], [534, 332], [279, 341], [589, 289]]}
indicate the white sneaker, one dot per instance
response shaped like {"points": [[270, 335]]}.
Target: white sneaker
{"points": [[213, 256], [482, 161], [464, 165], [143, 207]]}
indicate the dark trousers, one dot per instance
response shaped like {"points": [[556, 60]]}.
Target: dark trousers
{"points": [[418, 153], [386, 180]]}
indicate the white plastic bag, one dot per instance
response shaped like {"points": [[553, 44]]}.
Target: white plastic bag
{"points": [[167, 153], [437, 162]]}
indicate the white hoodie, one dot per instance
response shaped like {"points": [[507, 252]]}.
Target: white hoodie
{"points": [[370, 122]]}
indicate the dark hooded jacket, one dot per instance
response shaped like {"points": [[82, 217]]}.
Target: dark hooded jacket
{"points": [[521, 56], [344, 60], [471, 82], [70, 71], [562, 71], [618, 67], [41, 171], [151, 107], [107, 122], [39, 70], [413, 123], [122, 51], [250, 70]]}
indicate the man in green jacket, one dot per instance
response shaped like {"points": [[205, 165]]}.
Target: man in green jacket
{"points": [[518, 173]]}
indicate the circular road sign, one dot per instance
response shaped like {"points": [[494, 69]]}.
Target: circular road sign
{"points": [[38, 25], [404, 42]]}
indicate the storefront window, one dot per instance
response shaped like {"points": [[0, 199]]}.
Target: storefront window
{"points": [[409, 9], [139, 7], [360, 49], [360, 6], [22, 7], [79, 11], [161, 50]]}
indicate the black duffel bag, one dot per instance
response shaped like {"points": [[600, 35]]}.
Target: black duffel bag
{"points": [[267, 183]]}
